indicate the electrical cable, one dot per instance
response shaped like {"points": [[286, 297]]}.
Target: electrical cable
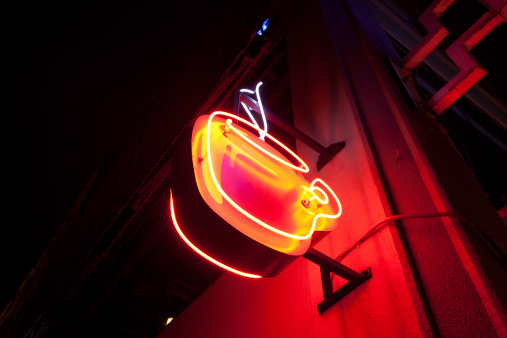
{"points": [[352, 92], [488, 242]]}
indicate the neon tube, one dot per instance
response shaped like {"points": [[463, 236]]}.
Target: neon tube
{"points": [[312, 187], [262, 110], [196, 249], [262, 133], [247, 110], [305, 168], [317, 197], [245, 107], [248, 215], [229, 123]]}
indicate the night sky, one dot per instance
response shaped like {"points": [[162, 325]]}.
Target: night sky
{"points": [[79, 77]]}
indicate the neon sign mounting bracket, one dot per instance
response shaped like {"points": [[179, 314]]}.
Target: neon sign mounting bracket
{"points": [[328, 266], [326, 154]]}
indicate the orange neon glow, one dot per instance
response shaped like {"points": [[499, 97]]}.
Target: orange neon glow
{"points": [[196, 249], [326, 201], [304, 169]]}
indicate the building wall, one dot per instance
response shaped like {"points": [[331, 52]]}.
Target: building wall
{"points": [[427, 278]]}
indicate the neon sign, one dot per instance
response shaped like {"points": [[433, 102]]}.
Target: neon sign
{"points": [[258, 196]]}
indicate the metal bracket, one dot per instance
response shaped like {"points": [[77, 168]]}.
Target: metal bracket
{"points": [[328, 266], [326, 154]]}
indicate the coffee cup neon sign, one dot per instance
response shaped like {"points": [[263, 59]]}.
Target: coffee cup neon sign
{"points": [[258, 193]]}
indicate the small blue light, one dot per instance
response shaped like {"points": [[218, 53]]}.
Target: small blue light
{"points": [[265, 25]]}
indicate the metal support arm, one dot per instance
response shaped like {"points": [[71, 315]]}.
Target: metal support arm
{"points": [[328, 266]]}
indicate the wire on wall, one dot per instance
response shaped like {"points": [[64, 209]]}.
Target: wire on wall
{"points": [[488, 242]]}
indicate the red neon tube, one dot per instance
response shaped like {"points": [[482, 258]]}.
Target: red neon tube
{"points": [[196, 249]]}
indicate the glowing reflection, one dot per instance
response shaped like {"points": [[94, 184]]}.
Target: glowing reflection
{"points": [[196, 249], [263, 132]]}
